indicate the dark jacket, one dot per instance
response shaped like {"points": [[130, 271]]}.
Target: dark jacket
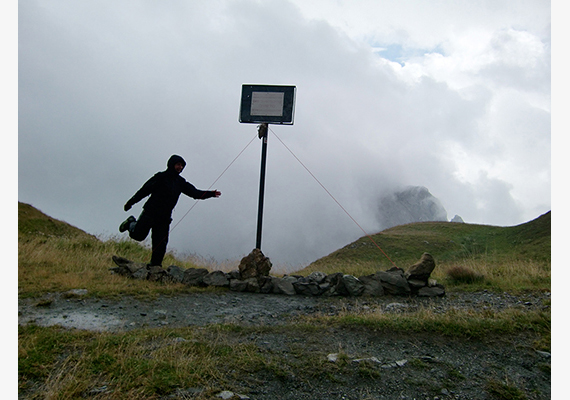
{"points": [[164, 189]]}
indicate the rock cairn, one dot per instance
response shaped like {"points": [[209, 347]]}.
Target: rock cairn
{"points": [[252, 275]]}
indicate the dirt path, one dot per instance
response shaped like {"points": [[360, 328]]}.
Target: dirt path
{"points": [[403, 366]]}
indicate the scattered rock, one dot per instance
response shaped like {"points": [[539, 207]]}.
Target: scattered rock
{"points": [[304, 286], [238, 285], [194, 276], [75, 293], [353, 286], [372, 286], [285, 285], [266, 284], [245, 285], [432, 291], [216, 278], [396, 307], [226, 394], [545, 354], [395, 364], [98, 390], [333, 357], [336, 285], [156, 273], [394, 282], [416, 284], [369, 359], [317, 277], [126, 267], [175, 273]]}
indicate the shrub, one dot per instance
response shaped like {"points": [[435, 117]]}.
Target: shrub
{"points": [[464, 275]]}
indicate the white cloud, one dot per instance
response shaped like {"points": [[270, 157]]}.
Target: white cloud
{"points": [[108, 91]]}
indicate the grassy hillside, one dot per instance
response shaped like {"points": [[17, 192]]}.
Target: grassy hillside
{"points": [[479, 247], [448, 241], [54, 256], [32, 222]]}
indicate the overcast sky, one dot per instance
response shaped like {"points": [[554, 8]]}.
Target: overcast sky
{"points": [[451, 95]]}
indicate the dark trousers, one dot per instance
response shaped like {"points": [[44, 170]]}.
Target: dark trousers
{"points": [[160, 227]]}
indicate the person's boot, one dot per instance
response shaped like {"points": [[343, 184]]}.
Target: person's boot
{"points": [[126, 224]]}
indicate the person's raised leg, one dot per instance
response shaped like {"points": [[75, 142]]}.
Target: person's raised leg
{"points": [[138, 230]]}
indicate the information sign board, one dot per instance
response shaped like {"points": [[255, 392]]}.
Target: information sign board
{"points": [[272, 104]]}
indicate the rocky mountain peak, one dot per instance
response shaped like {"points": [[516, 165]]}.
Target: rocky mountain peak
{"points": [[410, 204]]}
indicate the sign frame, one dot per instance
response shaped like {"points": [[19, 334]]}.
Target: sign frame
{"points": [[269, 104]]}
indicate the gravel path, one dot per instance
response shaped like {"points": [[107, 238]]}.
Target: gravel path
{"points": [[74, 311], [395, 366]]}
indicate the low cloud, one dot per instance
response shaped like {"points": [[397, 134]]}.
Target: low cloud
{"points": [[108, 92]]}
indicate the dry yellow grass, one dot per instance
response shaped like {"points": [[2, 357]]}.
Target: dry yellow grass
{"points": [[50, 264]]}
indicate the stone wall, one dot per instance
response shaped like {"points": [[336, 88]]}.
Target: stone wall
{"points": [[252, 275]]}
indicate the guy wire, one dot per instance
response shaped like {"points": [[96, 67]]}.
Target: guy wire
{"points": [[213, 183], [335, 200], [310, 173]]}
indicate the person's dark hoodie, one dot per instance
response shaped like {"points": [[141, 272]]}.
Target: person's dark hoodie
{"points": [[164, 189]]}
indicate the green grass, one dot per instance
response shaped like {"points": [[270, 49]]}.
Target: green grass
{"points": [[137, 364], [56, 363], [504, 390], [56, 257], [503, 258], [449, 242], [454, 323], [150, 363]]}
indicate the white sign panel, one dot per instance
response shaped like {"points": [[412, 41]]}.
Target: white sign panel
{"points": [[267, 103]]}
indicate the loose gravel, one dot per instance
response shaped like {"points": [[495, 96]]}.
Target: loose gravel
{"points": [[390, 366]]}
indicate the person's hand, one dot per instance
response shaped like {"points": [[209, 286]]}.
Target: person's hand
{"points": [[217, 193], [127, 207]]}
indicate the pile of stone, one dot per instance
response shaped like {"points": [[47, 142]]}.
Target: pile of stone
{"points": [[252, 275]]}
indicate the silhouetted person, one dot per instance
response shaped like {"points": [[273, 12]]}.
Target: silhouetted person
{"points": [[164, 189]]}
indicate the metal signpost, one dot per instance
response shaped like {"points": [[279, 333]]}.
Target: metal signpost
{"points": [[264, 105]]}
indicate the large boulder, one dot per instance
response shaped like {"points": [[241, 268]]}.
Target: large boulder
{"points": [[317, 277], [194, 276], [216, 278], [175, 273], [267, 284], [422, 269], [353, 285], [335, 285], [372, 285], [254, 265], [245, 285], [394, 282], [307, 287], [285, 286], [141, 273]]}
